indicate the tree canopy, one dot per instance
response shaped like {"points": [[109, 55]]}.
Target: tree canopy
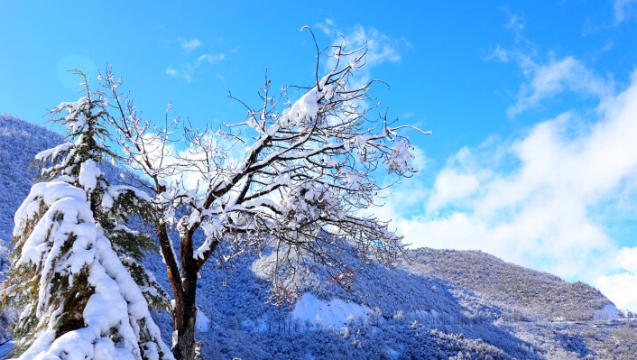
{"points": [[297, 193]]}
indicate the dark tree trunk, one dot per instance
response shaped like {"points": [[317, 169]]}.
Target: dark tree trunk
{"points": [[183, 285], [185, 326], [185, 312]]}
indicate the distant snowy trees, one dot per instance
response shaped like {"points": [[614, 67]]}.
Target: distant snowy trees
{"points": [[527, 294], [74, 268]]}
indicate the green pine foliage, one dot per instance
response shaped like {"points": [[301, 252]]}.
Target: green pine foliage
{"points": [[116, 210]]}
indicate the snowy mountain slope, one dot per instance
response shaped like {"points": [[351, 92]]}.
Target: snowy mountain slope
{"points": [[442, 304], [526, 293], [394, 313], [390, 312], [19, 142]]}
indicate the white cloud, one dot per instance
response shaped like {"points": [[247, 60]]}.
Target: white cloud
{"points": [[380, 47], [547, 80], [622, 287], [627, 259], [451, 186], [212, 59], [187, 71], [534, 200], [516, 23], [189, 45], [624, 9]]}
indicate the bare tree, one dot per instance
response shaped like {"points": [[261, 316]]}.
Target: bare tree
{"points": [[294, 195]]}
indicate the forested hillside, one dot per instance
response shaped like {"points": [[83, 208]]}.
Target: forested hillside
{"points": [[528, 294], [20, 141]]}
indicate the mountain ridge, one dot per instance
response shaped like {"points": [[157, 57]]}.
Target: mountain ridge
{"points": [[521, 295]]}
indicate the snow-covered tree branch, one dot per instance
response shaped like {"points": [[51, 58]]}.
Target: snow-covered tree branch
{"points": [[295, 197]]}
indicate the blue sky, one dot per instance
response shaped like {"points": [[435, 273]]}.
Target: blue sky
{"points": [[533, 155]]}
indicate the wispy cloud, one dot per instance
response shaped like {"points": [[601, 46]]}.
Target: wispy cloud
{"points": [[211, 59], [187, 71], [172, 72], [624, 9], [622, 287], [193, 64], [548, 77], [189, 45], [380, 47], [537, 199], [516, 23], [545, 81]]}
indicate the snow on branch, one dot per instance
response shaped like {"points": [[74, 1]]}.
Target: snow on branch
{"points": [[66, 246], [298, 191]]}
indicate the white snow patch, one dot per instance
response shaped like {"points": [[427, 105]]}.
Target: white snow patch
{"points": [[202, 324], [53, 152], [117, 302], [333, 313], [89, 174], [608, 312]]}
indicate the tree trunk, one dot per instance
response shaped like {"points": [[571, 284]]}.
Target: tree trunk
{"points": [[185, 313], [185, 347], [184, 286]]}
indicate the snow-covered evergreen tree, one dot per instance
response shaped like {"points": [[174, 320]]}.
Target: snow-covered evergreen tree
{"points": [[84, 297]]}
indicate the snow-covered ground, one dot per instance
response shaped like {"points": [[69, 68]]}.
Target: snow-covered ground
{"points": [[608, 312], [202, 323], [336, 313]]}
